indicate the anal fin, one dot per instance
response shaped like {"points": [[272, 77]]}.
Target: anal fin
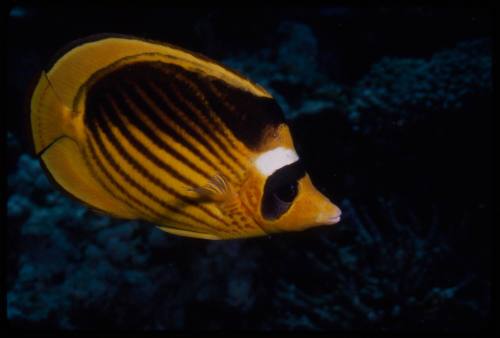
{"points": [[65, 164], [188, 233]]}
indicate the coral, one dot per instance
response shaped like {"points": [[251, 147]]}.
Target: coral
{"points": [[395, 91], [76, 267], [384, 267], [290, 72], [399, 91], [388, 275]]}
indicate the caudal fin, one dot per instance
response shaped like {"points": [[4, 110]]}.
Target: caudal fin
{"points": [[57, 137], [48, 115]]}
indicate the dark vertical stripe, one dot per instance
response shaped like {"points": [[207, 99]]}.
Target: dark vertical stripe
{"points": [[100, 121], [131, 114], [165, 104], [209, 111], [248, 116], [190, 106], [129, 180], [90, 165], [187, 103], [139, 98], [110, 178], [138, 203], [223, 100]]}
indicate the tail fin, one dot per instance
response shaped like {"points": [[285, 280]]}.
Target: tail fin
{"points": [[48, 115], [57, 129]]}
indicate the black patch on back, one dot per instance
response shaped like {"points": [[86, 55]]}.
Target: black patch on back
{"points": [[245, 114], [280, 190]]}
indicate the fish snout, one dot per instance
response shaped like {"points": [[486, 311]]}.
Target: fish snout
{"points": [[334, 219], [329, 216]]}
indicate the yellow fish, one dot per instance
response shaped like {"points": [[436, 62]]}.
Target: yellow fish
{"points": [[140, 129]]}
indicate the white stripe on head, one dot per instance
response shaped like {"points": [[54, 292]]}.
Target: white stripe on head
{"points": [[274, 159]]}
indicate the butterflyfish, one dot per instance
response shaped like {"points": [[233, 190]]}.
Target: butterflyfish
{"points": [[144, 130]]}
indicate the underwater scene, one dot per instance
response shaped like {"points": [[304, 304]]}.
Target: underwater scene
{"points": [[257, 169]]}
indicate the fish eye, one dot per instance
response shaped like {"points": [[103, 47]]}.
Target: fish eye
{"points": [[278, 200], [280, 190], [287, 193]]}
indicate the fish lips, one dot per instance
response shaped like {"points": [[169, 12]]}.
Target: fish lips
{"points": [[334, 219]]}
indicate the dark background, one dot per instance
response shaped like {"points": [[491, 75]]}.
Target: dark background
{"points": [[414, 249]]}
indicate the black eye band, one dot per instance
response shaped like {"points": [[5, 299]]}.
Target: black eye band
{"points": [[287, 174], [280, 190]]}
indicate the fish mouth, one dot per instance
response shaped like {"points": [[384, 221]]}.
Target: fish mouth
{"points": [[333, 220]]}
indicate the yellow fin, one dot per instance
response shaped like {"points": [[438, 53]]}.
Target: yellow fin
{"points": [[67, 167], [218, 189], [85, 57], [48, 115], [188, 233]]}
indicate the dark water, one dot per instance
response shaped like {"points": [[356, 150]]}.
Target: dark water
{"points": [[391, 110]]}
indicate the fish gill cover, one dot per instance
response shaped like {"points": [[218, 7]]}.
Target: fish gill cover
{"points": [[395, 125]]}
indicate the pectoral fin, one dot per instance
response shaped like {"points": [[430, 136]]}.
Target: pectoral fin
{"points": [[218, 189]]}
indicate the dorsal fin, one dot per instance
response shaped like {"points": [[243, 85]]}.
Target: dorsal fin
{"points": [[92, 55]]}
